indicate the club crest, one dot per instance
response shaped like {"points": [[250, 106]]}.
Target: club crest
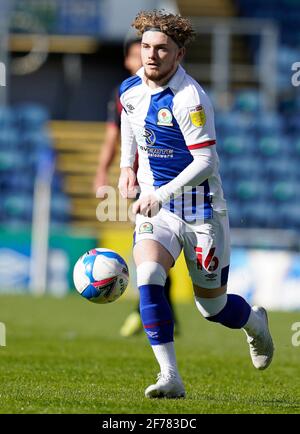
{"points": [[164, 117]]}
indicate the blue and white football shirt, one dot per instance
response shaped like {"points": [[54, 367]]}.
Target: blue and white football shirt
{"points": [[167, 125]]}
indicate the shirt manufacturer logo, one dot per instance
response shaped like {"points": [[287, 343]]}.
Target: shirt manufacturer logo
{"points": [[152, 335], [149, 136], [211, 276], [130, 108], [164, 117]]}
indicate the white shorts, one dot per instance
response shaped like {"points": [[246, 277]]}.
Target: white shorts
{"points": [[206, 247]]}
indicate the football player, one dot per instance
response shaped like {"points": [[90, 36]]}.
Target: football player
{"points": [[168, 118], [132, 62]]}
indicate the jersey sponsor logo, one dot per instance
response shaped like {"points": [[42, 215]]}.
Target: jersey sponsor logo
{"points": [[146, 139], [197, 116], [146, 228], [157, 153], [149, 136], [164, 117]]}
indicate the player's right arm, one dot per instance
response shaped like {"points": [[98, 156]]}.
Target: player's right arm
{"points": [[127, 180]]}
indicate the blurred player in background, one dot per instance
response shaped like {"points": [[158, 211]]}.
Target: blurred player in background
{"points": [[168, 117], [132, 62]]}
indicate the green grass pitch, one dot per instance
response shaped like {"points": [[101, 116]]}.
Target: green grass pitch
{"points": [[66, 356]]}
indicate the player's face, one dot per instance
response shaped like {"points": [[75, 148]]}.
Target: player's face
{"points": [[133, 60], [160, 56]]}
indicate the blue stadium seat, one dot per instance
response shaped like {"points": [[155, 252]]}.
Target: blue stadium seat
{"points": [[252, 214], [287, 55], [60, 207], [296, 146], [235, 213], [9, 138], [297, 102], [243, 167], [253, 190], [292, 5], [18, 206], [35, 140], [259, 214], [289, 216], [274, 145], [12, 159], [237, 144], [7, 119], [293, 123], [57, 182], [248, 101], [31, 117], [269, 123], [285, 191], [228, 123], [14, 183], [228, 187], [221, 123], [283, 168]]}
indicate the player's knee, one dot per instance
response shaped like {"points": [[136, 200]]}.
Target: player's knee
{"points": [[151, 273], [209, 307]]}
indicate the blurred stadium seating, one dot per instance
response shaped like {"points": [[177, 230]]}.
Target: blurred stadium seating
{"points": [[259, 161], [24, 142], [259, 150], [260, 165]]}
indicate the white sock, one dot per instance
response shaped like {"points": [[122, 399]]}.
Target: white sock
{"points": [[254, 324], [165, 355]]}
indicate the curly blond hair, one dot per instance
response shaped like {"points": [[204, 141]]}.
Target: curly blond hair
{"points": [[177, 27]]}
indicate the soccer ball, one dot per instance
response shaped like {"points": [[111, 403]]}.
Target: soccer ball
{"points": [[101, 276]]}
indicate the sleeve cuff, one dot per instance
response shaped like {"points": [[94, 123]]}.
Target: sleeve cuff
{"points": [[202, 145], [126, 164]]}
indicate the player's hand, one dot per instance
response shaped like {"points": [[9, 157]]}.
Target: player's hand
{"points": [[148, 205], [127, 183]]}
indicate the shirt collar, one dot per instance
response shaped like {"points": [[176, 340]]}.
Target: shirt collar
{"points": [[175, 81], [177, 78]]}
